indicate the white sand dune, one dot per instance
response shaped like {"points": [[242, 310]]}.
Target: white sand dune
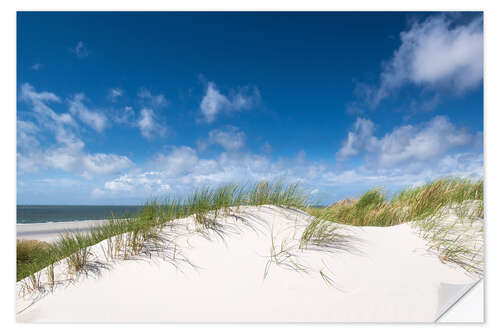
{"points": [[383, 274]]}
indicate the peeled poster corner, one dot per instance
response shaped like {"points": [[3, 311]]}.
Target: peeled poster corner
{"points": [[461, 303]]}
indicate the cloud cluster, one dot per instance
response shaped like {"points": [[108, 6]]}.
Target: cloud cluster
{"points": [[361, 137], [39, 101], [114, 93], [36, 66], [231, 138], [182, 170], [406, 155], [124, 116], [214, 102], [93, 118], [80, 50], [267, 148], [409, 145], [149, 124], [438, 53], [152, 101], [66, 152]]}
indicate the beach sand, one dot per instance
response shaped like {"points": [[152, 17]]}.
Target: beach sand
{"points": [[48, 232], [382, 274]]}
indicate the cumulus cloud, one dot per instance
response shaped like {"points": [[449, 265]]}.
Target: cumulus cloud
{"points": [[93, 118], [215, 103], [231, 138], [70, 156], [437, 53], [181, 170], [36, 66], [410, 145], [267, 148], [301, 156], [40, 101], [463, 165], [152, 101], [26, 134], [149, 124], [85, 164], [67, 151], [125, 115], [114, 93], [361, 137], [181, 160], [80, 50], [147, 182]]}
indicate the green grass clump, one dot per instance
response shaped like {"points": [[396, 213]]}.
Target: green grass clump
{"points": [[28, 254], [320, 232], [425, 201], [459, 241], [373, 209], [140, 233]]}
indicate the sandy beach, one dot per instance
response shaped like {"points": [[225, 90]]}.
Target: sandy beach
{"points": [[48, 232], [381, 274]]}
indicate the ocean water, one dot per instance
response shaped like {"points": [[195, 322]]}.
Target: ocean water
{"points": [[41, 214]]}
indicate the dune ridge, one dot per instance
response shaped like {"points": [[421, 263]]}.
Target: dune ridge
{"points": [[251, 267]]}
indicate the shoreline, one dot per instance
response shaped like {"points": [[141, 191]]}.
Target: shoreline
{"points": [[49, 231], [55, 222]]}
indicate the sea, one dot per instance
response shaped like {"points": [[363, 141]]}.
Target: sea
{"points": [[46, 213]]}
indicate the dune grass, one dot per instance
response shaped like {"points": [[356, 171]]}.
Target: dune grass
{"points": [[373, 208], [447, 212], [140, 233], [29, 252], [283, 256]]}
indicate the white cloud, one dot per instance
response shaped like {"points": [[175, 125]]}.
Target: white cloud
{"points": [[114, 93], [59, 182], [104, 164], [26, 134], [301, 157], [153, 101], [149, 124], [39, 102], [95, 119], [267, 148], [97, 193], [146, 182], [360, 138], [410, 145], [80, 50], [231, 138], [70, 156], [74, 159], [124, 115], [438, 53], [36, 66], [215, 103], [180, 161], [181, 170], [67, 152]]}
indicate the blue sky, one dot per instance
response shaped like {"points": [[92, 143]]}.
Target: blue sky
{"points": [[116, 108]]}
